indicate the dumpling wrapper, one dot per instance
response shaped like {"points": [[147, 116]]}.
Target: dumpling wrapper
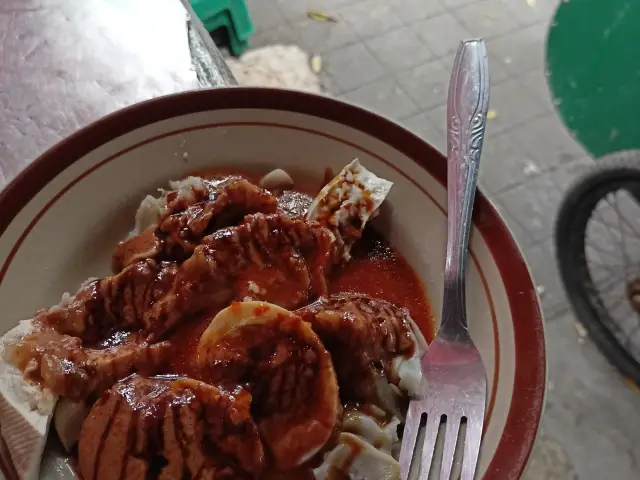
{"points": [[67, 420], [238, 315], [304, 439], [380, 433], [354, 193], [152, 208], [26, 410], [408, 371], [357, 459]]}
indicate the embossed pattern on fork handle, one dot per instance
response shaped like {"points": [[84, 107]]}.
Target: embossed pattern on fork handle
{"points": [[467, 107]]}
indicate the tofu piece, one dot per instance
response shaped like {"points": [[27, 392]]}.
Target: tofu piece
{"points": [[26, 410]]}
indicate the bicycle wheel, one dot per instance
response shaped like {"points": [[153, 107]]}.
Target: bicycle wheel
{"points": [[597, 236]]}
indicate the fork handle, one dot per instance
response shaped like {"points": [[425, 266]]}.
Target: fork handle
{"points": [[467, 107]]}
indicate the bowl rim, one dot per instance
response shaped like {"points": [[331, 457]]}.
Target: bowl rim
{"points": [[525, 410]]}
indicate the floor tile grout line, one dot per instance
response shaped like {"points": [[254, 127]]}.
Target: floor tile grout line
{"points": [[512, 126], [543, 171], [394, 76], [517, 22], [416, 110], [440, 59], [288, 22], [531, 240], [395, 72]]}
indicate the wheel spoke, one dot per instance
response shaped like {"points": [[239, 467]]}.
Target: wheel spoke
{"points": [[624, 218], [595, 262], [606, 288], [610, 269], [623, 246], [612, 324], [612, 301], [601, 250]]}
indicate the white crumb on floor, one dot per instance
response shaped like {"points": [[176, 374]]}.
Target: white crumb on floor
{"points": [[280, 66]]}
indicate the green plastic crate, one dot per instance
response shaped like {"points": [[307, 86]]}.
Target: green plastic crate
{"points": [[232, 14], [235, 44]]}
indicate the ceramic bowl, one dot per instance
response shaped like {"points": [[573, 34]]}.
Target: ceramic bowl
{"points": [[62, 216]]}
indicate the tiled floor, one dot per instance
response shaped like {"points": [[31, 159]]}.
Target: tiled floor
{"points": [[394, 56]]}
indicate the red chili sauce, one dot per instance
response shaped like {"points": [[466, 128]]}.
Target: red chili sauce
{"points": [[375, 269]]}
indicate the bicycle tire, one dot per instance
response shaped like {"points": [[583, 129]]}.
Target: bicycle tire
{"points": [[609, 174]]}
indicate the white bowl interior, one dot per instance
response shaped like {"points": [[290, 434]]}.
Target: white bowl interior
{"points": [[74, 236]]}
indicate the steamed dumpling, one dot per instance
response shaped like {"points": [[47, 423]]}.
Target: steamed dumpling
{"points": [[375, 347], [355, 458], [287, 370], [373, 425], [348, 202]]}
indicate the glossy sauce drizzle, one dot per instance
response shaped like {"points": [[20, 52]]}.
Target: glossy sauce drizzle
{"points": [[376, 269]]}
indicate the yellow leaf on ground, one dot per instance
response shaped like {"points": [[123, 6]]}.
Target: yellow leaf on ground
{"points": [[321, 16]]}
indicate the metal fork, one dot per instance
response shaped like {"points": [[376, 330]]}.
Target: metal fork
{"points": [[453, 371]]}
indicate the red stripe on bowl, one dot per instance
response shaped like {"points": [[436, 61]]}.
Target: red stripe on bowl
{"points": [[526, 406], [66, 188]]}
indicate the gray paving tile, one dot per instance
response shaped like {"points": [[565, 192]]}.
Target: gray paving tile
{"points": [[519, 51], [497, 73], [589, 409], [283, 34], [371, 18], [411, 11], [294, 10], [570, 172], [351, 67], [426, 84], [513, 104], [534, 204], [438, 118], [264, 15], [442, 34], [547, 141], [536, 82], [385, 97], [453, 4], [498, 149], [521, 236], [549, 460], [322, 37], [448, 59], [529, 13], [421, 125], [486, 19], [399, 49], [542, 262], [504, 163]]}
